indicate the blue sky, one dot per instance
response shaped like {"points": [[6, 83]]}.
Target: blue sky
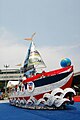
{"points": [[57, 27]]}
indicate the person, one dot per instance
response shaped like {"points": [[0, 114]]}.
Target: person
{"points": [[1, 95]]}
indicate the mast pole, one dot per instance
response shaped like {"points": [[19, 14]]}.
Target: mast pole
{"points": [[31, 38]]}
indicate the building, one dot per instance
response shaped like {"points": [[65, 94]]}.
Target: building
{"points": [[9, 75]]}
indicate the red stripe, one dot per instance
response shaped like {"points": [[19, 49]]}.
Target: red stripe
{"points": [[51, 73]]}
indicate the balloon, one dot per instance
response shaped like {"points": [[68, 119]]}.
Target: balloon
{"points": [[65, 62]]}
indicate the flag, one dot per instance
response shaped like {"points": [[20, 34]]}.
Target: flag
{"points": [[19, 64], [30, 37]]}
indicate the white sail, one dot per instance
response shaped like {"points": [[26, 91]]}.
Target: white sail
{"points": [[34, 58]]}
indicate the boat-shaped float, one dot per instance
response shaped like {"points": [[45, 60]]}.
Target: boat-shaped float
{"points": [[43, 90]]}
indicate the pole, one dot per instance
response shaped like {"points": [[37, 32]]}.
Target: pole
{"points": [[6, 66]]}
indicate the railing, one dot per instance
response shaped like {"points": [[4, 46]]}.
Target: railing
{"points": [[17, 76]]}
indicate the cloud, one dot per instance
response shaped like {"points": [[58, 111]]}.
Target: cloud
{"points": [[13, 53], [6, 37], [53, 55]]}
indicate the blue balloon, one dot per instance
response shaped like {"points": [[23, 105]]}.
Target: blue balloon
{"points": [[65, 62]]}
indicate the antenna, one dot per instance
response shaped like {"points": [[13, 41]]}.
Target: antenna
{"points": [[31, 38]]}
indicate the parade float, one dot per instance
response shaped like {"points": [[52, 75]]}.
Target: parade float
{"points": [[43, 90]]}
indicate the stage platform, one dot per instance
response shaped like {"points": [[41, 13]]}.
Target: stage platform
{"points": [[8, 112], [77, 98]]}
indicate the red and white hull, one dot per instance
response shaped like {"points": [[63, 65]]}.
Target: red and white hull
{"points": [[42, 90], [45, 83]]}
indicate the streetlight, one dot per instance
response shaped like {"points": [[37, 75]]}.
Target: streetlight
{"points": [[6, 66]]}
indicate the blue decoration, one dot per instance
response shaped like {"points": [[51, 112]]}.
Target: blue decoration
{"points": [[65, 62]]}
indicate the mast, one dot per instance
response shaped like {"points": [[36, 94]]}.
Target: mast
{"points": [[33, 59]]}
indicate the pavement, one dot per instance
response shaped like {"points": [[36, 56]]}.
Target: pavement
{"points": [[8, 112], [4, 101]]}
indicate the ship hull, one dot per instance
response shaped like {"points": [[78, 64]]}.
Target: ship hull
{"points": [[61, 79]]}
